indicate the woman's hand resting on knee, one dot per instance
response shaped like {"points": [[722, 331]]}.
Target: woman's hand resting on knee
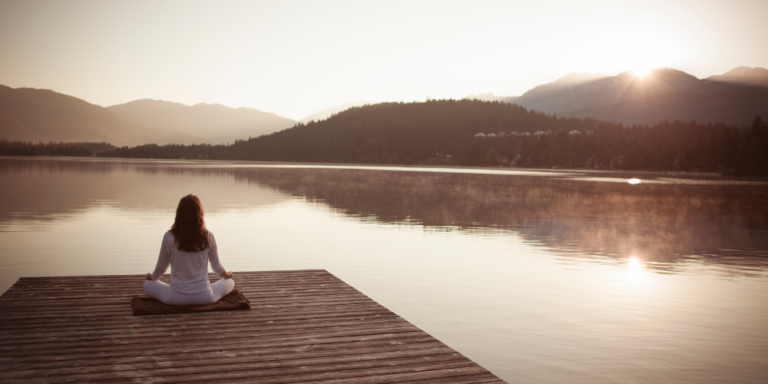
{"points": [[149, 277], [227, 275]]}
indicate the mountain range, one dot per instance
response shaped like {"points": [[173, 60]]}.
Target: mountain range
{"points": [[28, 114], [42, 115], [473, 132], [734, 97], [214, 123]]}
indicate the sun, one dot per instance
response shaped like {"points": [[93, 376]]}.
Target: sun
{"points": [[642, 70], [642, 62]]}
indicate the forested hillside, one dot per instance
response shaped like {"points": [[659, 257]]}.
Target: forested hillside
{"points": [[480, 133]]}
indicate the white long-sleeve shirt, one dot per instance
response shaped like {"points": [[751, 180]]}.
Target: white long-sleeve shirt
{"points": [[189, 270]]}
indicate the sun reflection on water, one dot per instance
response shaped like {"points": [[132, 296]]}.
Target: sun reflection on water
{"points": [[634, 269]]}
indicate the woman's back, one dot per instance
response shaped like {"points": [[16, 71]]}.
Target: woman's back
{"points": [[188, 248], [189, 270]]}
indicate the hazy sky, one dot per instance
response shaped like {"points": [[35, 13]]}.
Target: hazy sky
{"points": [[297, 57]]}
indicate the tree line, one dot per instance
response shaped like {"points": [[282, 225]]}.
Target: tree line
{"points": [[23, 148], [447, 132]]}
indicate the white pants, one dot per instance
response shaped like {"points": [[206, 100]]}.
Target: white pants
{"points": [[163, 292]]}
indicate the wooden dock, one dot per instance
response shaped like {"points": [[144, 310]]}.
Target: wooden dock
{"points": [[305, 327]]}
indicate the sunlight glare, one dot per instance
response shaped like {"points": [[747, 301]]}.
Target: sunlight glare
{"points": [[635, 47], [642, 71], [633, 181], [634, 270]]}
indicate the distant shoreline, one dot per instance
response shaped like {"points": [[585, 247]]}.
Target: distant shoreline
{"points": [[400, 167]]}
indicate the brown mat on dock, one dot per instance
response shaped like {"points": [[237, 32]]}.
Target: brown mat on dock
{"points": [[143, 305]]}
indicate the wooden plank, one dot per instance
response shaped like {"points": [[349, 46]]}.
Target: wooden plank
{"points": [[304, 273], [244, 276], [304, 326], [18, 311], [257, 298], [255, 285], [246, 279], [253, 296], [467, 379], [257, 361], [139, 333], [267, 314], [244, 329], [399, 377], [269, 373], [189, 346], [18, 348], [196, 351], [139, 280], [118, 290], [336, 312]]}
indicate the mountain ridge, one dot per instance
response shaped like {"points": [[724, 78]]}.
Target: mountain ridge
{"points": [[492, 97], [633, 95], [30, 114], [744, 75], [214, 122], [328, 112], [734, 97], [488, 133]]}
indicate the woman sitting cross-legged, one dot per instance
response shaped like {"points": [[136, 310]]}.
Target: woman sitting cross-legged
{"points": [[187, 248]]}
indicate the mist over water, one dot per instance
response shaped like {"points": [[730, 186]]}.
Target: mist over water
{"points": [[563, 276]]}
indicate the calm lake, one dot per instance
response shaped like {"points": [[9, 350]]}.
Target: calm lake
{"points": [[539, 276]]}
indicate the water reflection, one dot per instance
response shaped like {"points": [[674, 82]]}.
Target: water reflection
{"points": [[667, 223], [36, 191], [634, 269], [572, 215]]}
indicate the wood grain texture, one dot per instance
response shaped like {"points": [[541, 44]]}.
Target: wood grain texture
{"points": [[304, 327]]}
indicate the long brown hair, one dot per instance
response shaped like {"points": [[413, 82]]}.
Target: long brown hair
{"points": [[189, 226]]}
